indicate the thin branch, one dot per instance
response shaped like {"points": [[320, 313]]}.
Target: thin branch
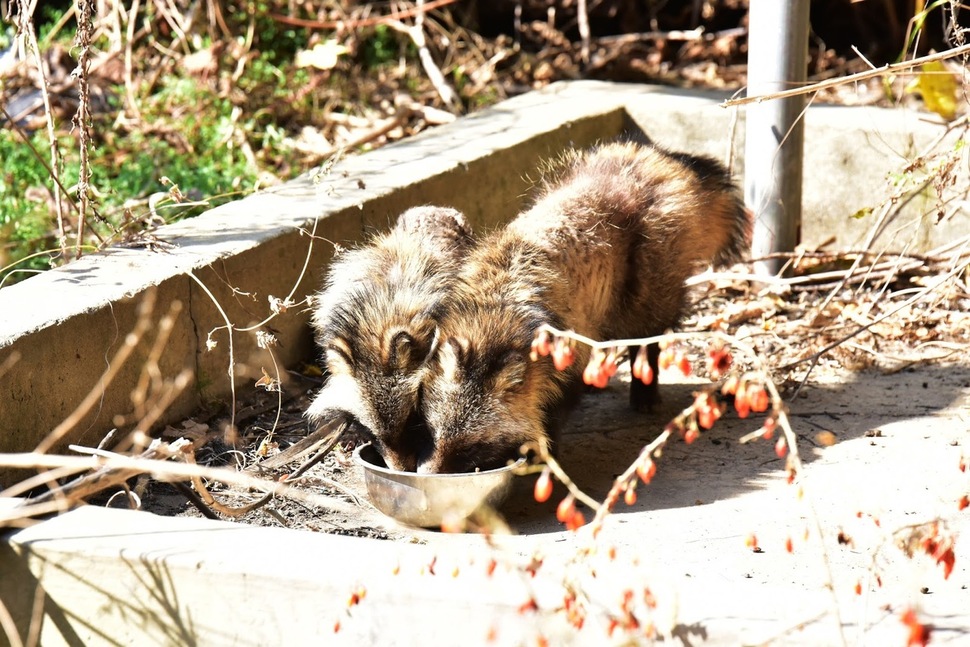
{"points": [[322, 440], [132, 339], [582, 16], [82, 119], [894, 68], [162, 470], [416, 33], [815, 357], [365, 22]]}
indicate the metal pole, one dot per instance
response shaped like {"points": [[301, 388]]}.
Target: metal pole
{"points": [[774, 135]]}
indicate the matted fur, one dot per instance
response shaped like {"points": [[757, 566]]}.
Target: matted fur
{"points": [[605, 251], [376, 321]]}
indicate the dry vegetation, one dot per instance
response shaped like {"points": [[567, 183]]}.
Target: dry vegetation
{"points": [[118, 119]]}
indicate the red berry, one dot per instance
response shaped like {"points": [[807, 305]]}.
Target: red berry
{"points": [[666, 359], [630, 496], [542, 344], [730, 385], [858, 588], [964, 502], [646, 469], [563, 356], [681, 361], [948, 559], [609, 364], [769, 428], [611, 627], [639, 362], [781, 447], [543, 489], [758, 398], [577, 520], [565, 509], [691, 434], [707, 416], [718, 361], [919, 634], [789, 546], [529, 605], [647, 376], [751, 541], [741, 404]]}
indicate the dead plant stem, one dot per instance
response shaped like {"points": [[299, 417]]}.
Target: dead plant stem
{"points": [[366, 22], [894, 68], [132, 17], [417, 36], [82, 119], [161, 469], [232, 357], [815, 357]]}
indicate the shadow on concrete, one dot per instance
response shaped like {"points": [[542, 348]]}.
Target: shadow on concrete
{"points": [[605, 436]]}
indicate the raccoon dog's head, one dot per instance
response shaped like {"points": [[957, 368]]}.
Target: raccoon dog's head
{"points": [[376, 379], [376, 321], [484, 398]]}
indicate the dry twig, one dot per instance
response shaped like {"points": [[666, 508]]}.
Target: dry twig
{"points": [[895, 68]]}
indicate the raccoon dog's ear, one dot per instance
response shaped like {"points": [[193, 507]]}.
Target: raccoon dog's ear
{"points": [[401, 349], [512, 373], [451, 357]]}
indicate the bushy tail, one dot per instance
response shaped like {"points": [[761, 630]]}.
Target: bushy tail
{"points": [[723, 218]]}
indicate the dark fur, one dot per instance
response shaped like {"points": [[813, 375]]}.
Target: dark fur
{"points": [[376, 321], [605, 252]]}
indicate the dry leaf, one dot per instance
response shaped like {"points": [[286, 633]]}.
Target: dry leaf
{"points": [[938, 87], [323, 56]]}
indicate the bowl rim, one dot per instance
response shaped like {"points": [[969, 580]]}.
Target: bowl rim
{"points": [[367, 465]]}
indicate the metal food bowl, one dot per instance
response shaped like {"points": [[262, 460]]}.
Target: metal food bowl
{"points": [[425, 500]]}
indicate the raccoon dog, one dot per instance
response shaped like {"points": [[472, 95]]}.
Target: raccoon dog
{"points": [[376, 320], [605, 251]]}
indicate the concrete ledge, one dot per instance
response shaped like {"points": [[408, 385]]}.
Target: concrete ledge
{"points": [[113, 577]]}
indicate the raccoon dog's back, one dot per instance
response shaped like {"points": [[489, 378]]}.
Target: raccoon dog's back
{"points": [[605, 251], [376, 321]]}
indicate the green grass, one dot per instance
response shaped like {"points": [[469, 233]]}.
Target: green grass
{"points": [[191, 140], [189, 132]]}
